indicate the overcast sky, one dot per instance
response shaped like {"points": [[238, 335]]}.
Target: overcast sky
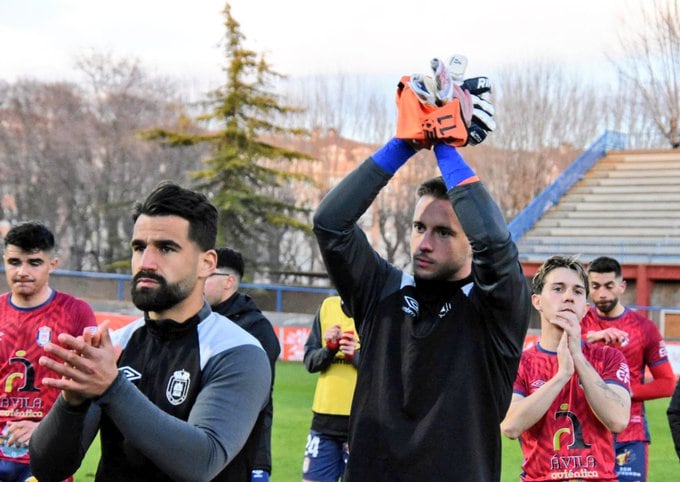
{"points": [[40, 38]]}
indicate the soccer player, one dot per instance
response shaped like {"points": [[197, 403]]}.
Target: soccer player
{"points": [[335, 354], [569, 396], [222, 292], [440, 346], [31, 315], [640, 341], [184, 394]]}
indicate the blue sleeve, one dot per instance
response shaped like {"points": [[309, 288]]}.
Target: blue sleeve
{"points": [[453, 167], [393, 155]]}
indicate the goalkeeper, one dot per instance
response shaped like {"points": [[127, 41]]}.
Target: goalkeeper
{"points": [[440, 345]]}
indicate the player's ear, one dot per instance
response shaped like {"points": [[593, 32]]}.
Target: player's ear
{"points": [[54, 262], [623, 285], [536, 301], [207, 263]]}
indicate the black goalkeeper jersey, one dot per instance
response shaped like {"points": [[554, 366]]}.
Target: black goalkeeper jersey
{"points": [[438, 358]]}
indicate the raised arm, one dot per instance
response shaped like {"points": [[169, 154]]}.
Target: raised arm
{"points": [[348, 256]]}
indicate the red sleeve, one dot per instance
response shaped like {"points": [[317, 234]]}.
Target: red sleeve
{"points": [[83, 317], [615, 368], [520, 381], [656, 358], [662, 385], [655, 348]]}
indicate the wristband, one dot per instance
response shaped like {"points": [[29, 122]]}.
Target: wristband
{"points": [[453, 167], [393, 155]]}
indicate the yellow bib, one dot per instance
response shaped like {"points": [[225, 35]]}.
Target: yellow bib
{"points": [[335, 387]]}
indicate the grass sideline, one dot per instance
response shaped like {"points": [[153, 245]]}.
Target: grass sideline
{"points": [[293, 393]]}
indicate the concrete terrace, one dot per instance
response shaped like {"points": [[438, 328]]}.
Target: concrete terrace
{"points": [[626, 206]]}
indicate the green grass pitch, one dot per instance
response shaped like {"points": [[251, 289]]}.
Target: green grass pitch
{"points": [[292, 415]]}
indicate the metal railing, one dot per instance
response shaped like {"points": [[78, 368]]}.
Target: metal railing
{"points": [[551, 195], [121, 279]]}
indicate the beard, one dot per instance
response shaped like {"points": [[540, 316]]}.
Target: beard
{"points": [[606, 306], [161, 298]]}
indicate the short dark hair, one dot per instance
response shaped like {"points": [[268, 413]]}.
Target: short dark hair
{"points": [[229, 258], [433, 187], [538, 281], [169, 199], [30, 236], [605, 264]]}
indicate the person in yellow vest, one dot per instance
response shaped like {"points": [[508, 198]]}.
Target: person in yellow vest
{"points": [[336, 355]]}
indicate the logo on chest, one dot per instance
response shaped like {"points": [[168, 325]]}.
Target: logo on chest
{"points": [[44, 336], [178, 387], [410, 306]]}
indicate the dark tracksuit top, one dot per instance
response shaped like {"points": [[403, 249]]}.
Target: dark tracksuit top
{"points": [[438, 358], [206, 371], [242, 310]]}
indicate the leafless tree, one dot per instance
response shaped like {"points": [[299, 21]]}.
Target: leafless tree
{"points": [[652, 65], [71, 157], [545, 118]]}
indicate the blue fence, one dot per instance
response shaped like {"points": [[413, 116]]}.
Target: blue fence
{"points": [[121, 279]]}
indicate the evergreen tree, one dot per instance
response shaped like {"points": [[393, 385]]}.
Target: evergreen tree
{"points": [[243, 170]]}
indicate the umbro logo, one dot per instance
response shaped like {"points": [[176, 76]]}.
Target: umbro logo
{"points": [[446, 307], [537, 383], [130, 373], [410, 306]]}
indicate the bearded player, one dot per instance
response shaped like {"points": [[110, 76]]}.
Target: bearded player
{"points": [[640, 341]]}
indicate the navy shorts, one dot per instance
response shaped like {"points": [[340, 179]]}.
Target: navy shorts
{"points": [[631, 461], [325, 457], [14, 471]]}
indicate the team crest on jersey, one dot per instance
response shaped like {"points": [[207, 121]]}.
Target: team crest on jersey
{"points": [[410, 306], [178, 387], [43, 336]]}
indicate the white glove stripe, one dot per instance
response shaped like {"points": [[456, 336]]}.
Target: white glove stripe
{"points": [[484, 119], [484, 105]]}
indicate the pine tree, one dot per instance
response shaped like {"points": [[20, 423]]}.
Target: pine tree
{"points": [[239, 172]]}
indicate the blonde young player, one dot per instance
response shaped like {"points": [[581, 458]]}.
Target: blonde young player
{"points": [[569, 396]]}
